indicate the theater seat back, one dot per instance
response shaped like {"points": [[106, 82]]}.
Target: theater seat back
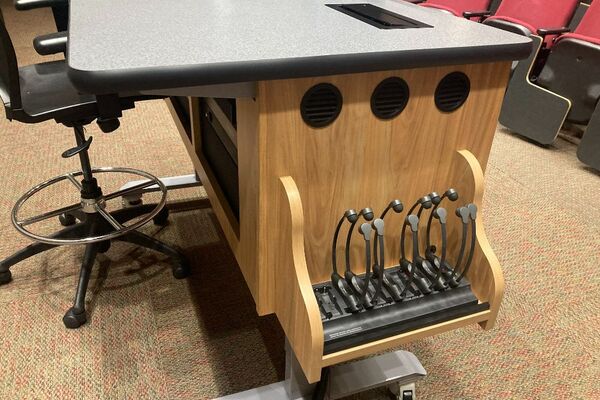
{"points": [[458, 7], [539, 13], [536, 14], [589, 27]]}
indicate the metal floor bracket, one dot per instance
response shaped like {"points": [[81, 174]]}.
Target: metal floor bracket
{"points": [[171, 183], [393, 369], [397, 368]]}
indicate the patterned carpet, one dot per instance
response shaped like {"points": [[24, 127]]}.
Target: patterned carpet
{"points": [[151, 336]]}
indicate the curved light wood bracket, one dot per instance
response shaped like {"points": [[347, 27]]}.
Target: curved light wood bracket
{"points": [[485, 275], [295, 303]]}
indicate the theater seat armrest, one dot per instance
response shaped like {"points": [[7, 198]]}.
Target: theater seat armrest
{"points": [[51, 43], [477, 14], [552, 31], [23, 5]]}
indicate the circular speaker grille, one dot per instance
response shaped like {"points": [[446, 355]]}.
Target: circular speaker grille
{"points": [[321, 105], [389, 98], [452, 91]]}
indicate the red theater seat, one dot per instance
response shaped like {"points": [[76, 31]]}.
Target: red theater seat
{"points": [[534, 15], [589, 27]]}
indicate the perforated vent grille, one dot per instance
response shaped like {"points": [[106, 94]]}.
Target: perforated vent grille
{"points": [[389, 98], [321, 105], [452, 91]]}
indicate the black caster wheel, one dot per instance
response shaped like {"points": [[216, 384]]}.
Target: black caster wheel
{"points": [[74, 320], [132, 202], [5, 277], [181, 270], [162, 218], [67, 219], [398, 392], [104, 246]]}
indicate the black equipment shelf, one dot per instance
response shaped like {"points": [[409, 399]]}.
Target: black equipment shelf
{"points": [[343, 329]]}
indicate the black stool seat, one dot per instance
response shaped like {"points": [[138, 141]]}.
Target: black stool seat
{"points": [[47, 93]]}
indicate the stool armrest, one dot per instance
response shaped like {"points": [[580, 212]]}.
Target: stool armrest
{"points": [[51, 43], [23, 5], [477, 14], [543, 32]]}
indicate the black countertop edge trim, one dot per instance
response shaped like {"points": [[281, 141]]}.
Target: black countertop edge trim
{"points": [[118, 81]]}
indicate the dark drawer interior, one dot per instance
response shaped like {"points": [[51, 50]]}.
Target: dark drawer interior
{"points": [[182, 108], [220, 152]]}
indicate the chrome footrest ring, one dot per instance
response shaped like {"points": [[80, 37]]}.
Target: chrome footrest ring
{"points": [[97, 204]]}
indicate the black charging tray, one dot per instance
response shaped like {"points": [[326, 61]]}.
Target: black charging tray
{"points": [[343, 330]]}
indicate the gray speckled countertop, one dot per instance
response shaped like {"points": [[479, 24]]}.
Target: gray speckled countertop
{"points": [[118, 45]]}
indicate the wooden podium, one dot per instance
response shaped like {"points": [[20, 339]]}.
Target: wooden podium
{"points": [[277, 182], [295, 181]]}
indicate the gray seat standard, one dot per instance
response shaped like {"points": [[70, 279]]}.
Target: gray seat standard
{"points": [[42, 92], [573, 72]]}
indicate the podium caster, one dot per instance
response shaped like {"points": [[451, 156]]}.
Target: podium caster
{"points": [[162, 218], [408, 396], [181, 270], [67, 219], [104, 247], [5, 277], [132, 201], [403, 392], [74, 320]]}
